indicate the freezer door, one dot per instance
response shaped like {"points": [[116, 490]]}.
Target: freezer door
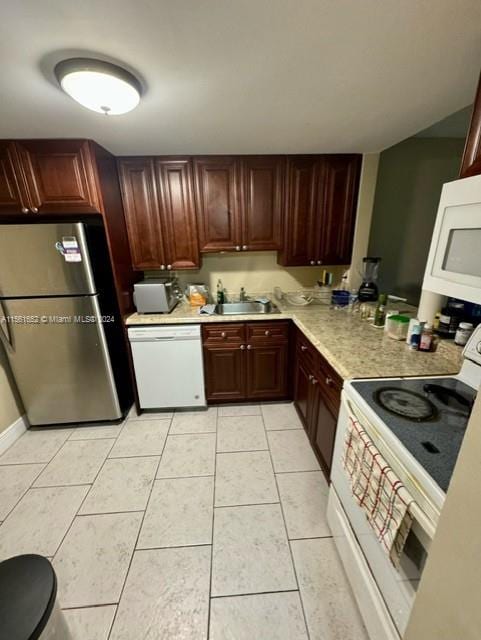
{"points": [[44, 260], [59, 359]]}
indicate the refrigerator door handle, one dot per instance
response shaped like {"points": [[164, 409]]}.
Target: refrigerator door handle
{"points": [[5, 335]]}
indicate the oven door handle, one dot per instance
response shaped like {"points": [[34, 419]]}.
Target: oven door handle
{"points": [[425, 528]]}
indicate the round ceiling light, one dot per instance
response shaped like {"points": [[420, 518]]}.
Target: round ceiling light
{"points": [[100, 86]]}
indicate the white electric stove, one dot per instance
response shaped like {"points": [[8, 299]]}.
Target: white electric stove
{"points": [[418, 425]]}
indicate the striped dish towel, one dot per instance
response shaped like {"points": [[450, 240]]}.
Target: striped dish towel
{"points": [[378, 491]]}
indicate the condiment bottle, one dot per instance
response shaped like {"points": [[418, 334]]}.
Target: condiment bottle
{"points": [[380, 314], [463, 333], [220, 292], [426, 339]]}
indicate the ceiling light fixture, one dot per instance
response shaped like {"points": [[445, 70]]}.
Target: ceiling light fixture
{"points": [[100, 86]]}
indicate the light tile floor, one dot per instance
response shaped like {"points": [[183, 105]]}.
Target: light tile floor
{"points": [[190, 525]]}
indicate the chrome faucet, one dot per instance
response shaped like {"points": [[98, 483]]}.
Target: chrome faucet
{"points": [[243, 295]]}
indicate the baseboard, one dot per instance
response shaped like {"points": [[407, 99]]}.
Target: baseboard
{"points": [[12, 433]]}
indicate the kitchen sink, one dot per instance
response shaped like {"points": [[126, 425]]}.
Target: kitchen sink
{"points": [[240, 308]]}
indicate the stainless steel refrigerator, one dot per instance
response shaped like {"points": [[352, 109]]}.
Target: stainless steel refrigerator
{"points": [[56, 322]]}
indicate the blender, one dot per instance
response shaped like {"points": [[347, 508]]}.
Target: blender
{"points": [[368, 291]]}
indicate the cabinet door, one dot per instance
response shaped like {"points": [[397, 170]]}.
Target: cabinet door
{"points": [[217, 201], [13, 196], [60, 176], [301, 193], [471, 163], [337, 201], [266, 371], [302, 391], [175, 188], [262, 202], [141, 210], [224, 369], [323, 429]]}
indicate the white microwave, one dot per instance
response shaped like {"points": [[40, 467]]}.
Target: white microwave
{"points": [[454, 261]]}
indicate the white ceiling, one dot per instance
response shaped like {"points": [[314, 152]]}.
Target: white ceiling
{"points": [[244, 76]]}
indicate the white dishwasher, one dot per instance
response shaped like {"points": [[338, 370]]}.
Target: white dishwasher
{"points": [[168, 366]]}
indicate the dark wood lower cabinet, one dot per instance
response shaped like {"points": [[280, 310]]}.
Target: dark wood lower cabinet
{"points": [[317, 397], [323, 428], [243, 362], [267, 371], [224, 373]]}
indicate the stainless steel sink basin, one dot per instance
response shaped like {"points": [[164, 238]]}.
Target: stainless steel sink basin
{"points": [[248, 308]]}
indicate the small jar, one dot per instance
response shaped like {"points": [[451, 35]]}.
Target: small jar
{"points": [[463, 333]]}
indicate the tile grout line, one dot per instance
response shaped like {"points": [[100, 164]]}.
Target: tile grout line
{"points": [[29, 488], [134, 548], [254, 593], [209, 595], [287, 537], [45, 465], [57, 486], [80, 505]]}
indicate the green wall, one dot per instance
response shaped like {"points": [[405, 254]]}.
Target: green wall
{"points": [[409, 183]]}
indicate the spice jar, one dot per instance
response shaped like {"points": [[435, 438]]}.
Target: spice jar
{"points": [[463, 333]]}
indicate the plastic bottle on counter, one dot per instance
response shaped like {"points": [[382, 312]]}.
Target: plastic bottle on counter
{"points": [[380, 313], [426, 338], [220, 292], [416, 331], [463, 333]]}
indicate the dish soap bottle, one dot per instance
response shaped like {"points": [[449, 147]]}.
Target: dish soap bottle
{"points": [[220, 292], [380, 314]]}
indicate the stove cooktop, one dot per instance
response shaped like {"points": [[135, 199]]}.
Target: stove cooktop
{"points": [[428, 415]]}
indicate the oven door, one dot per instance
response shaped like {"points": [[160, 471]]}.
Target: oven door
{"points": [[454, 262], [396, 587]]}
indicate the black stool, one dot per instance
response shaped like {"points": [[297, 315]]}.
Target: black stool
{"points": [[28, 607]]}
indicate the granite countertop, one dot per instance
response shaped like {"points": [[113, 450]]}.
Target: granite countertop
{"points": [[353, 347]]}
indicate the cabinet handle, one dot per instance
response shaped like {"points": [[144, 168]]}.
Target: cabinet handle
{"points": [[303, 347], [249, 346], [267, 332], [329, 381], [242, 347], [223, 334], [311, 377], [238, 247], [24, 210], [162, 267], [169, 267], [319, 262], [312, 262], [244, 247], [314, 380], [34, 210]]}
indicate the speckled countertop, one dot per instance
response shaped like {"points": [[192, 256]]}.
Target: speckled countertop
{"points": [[353, 347]]}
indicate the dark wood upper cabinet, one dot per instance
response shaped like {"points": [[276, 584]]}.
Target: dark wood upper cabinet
{"points": [[471, 163], [159, 210], [217, 202], [337, 200], [301, 197], [137, 179], [321, 199], [177, 212], [262, 202], [59, 176], [13, 195]]}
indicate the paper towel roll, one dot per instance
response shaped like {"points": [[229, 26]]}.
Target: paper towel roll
{"points": [[429, 304]]}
